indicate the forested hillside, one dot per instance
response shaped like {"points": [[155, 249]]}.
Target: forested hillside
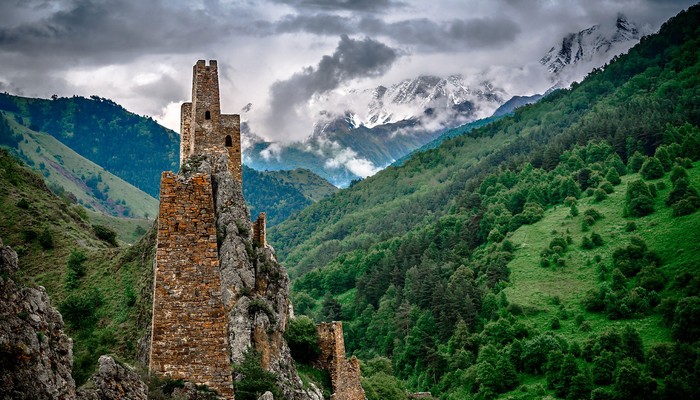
{"points": [[71, 141], [132, 147], [282, 193], [535, 256]]}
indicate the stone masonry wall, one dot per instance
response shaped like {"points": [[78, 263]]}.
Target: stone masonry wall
{"points": [[259, 230], [189, 331], [345, 374], [204, 130], [186, 134]]}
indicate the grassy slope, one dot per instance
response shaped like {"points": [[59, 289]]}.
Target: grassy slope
{"points": [[675, 239], [112, 271], [64, 167], [308, 183]]}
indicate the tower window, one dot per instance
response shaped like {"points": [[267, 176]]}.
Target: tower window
{"points": [[207, 115], [229, 142]]}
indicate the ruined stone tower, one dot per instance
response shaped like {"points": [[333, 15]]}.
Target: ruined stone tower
{"points": [[190, 325], [345, 373], [203, 129]]}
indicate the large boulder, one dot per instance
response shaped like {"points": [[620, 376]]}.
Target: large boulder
{"points": [[36, 356]]}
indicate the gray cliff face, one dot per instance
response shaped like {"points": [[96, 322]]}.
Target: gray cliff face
{"points": [[255, 285], [114, 381], [35, 355]]}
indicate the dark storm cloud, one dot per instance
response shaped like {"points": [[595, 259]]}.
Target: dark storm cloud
{"points": [[98, 31], [319, 24], [352, 59], [351, 5], [424, 34]]}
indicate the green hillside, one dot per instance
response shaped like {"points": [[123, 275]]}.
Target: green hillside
{"points": [[131, 147], [312, 186], [100, 289], [280, 194], [469, 268], [83, 181]]}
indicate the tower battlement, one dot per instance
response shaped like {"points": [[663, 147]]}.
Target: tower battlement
{"points": [[203, 129]]}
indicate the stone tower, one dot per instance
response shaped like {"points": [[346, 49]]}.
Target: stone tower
{"points": [[203, 129], [189, 337]]}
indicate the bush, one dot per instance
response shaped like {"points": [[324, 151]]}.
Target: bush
{"points": [[607, 187], [596, 239], [631, 226], [76, 269], [686, 320], [302, 337], [381, 386], [613, 176], [105, 234], [555, 324], [80, 310], [684, 207], [23, 204], [599, 195], [652, 169], [639, 200], [46, 239], [251, 380], [634, 164]]}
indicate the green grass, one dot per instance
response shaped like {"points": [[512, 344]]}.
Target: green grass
{"points": [[540, 290], [119, 274], [309, 184], [129, 230], [63, 167]]}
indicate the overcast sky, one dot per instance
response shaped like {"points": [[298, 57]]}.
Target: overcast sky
{"points": [[279, 54]]}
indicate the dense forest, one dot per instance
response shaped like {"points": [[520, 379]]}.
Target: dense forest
{"points": [[433, 265]]}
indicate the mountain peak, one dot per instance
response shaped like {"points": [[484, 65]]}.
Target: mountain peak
{"points": [[590, 47]]}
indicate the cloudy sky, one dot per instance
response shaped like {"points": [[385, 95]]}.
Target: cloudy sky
{"points": [[281, 54]]}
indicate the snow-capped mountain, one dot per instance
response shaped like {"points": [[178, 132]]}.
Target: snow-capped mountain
{"points": [[580, 52], [447, 100], [361, 131]]}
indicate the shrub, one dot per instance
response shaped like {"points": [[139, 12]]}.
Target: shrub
{"points": [[302, 337], [75, 263], [596, 239], [382, 386], [555, 324], [634, 164], [599, 195], [105, 234], [652, 169], [608, 187], [631, 226], [46, 239], [573, 210], [664, 158], [613, 176], [251, 380], [639, 200], [586, 243], [686, 320], [677, 173], [684, 207], [80, 310], [593, 213], [23, 204]]}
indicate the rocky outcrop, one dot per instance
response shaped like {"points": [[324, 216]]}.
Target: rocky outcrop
{"points": [[255, 287], [114, 381], [35, 354]]}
